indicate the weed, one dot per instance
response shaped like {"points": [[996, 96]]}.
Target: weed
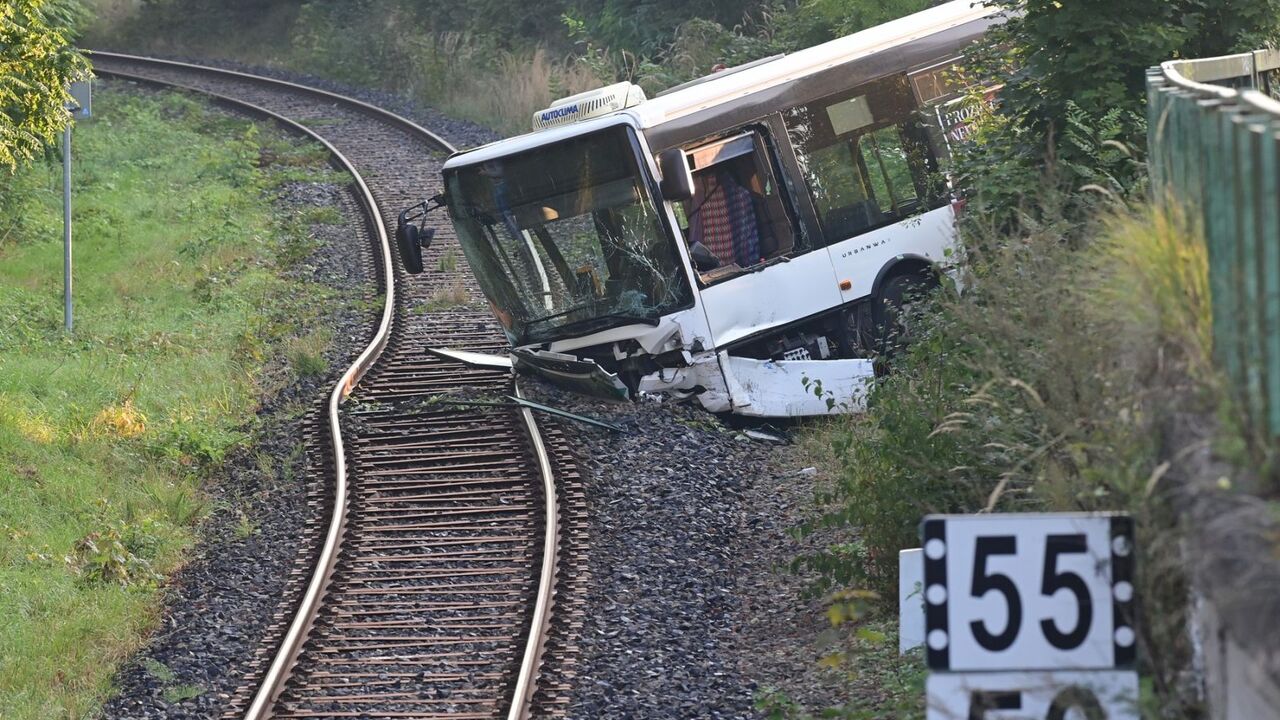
{"points": [[180, 505], [158, 670], [322, 215], [179, 693], [306, 353], [245, 527], [122, 420], [447, 298], [448, 261], [266, 463], [102, 557]]}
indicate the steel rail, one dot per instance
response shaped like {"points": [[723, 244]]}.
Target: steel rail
{"points": [[282, 664]]}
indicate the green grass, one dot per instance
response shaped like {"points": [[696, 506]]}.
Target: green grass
{"points": [[323, 215], [105, 434]]}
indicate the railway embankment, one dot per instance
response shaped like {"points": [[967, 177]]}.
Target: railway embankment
{"points": [[1075, 373], [150, 459]]}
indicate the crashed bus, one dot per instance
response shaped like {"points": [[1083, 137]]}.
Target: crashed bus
{"points": [[744, 239]]}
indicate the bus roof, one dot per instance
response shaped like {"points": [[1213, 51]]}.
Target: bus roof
{"points": [[713, 91]]}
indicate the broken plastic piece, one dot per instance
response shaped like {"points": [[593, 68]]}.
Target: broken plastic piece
{"points": [[572, 373], [474, 359]]}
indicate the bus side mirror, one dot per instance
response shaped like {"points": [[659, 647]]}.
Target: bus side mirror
{"points": [[677, 179], [411, 238], [411, 241]]}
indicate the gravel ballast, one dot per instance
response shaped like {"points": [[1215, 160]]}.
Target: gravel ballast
{"points": [[690, 611]]}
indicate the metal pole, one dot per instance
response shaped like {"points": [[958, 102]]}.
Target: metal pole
{"points": [[66, 227]]}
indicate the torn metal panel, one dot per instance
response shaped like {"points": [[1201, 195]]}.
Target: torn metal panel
{"points": [[749, 304], [572, 373], [796, 388], [473, 359]]}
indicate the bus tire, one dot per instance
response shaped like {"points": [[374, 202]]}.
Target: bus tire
{"points": [[894, 308]]}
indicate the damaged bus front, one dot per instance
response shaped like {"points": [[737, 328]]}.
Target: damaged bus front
{"points": [[569, 241]]}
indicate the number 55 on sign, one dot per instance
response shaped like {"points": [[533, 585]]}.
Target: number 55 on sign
{"points": [[1028, 592]]}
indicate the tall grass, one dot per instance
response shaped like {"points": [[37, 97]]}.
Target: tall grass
{"points": [[497, 82], [518, 84]]}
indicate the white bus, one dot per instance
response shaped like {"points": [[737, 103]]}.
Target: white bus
{"points": [[742, 238]]}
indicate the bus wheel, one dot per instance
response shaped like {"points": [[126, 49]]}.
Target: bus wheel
{"points": [[896, 310]]}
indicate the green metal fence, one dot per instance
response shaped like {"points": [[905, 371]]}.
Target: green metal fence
{"points": [[1214, 143]]}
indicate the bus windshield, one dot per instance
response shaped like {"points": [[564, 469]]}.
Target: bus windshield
{"points": [[565, 239]]}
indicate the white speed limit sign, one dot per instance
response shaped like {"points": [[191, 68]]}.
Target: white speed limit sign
{"points": [[1029, 592], [1060, 695]]}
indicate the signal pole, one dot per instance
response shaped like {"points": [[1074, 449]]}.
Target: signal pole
{"points": [[80, 107], [66, 228]]}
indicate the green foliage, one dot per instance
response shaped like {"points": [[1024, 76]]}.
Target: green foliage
{"points": [[1073, 76], [1092, 162], [1041, 389], [802, 23], [698, 46], [37, 63], [493, 61]]}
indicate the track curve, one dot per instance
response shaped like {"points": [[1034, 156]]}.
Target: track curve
{"points": [[446, 539]]}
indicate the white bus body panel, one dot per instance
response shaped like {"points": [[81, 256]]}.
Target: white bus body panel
{"points": [[795, 388], [860, 259], [803, 62], [779, 294]]}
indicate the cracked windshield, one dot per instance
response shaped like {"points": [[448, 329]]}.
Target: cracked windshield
{"points": [[566, 238]]}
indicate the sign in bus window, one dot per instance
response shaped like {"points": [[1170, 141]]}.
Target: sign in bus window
{"points": [[849, 115]]}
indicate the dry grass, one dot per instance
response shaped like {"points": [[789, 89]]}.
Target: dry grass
{"points": [[447, 298], [122, 420], [1154, 276], [504, 93]]}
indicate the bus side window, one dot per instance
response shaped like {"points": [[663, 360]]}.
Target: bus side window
{"points": [[737, 215], [861, 157]]}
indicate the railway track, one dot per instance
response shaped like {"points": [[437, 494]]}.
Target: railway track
{"points": [[447, 566]]}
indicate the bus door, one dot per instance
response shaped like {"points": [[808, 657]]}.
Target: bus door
{"points": [[745, 242]]}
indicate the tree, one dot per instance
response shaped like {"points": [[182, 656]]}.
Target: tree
{"points": [[37, 63], [1073, 77]]}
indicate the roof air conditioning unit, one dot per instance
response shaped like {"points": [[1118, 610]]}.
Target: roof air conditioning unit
{"points": [[592, 103]]}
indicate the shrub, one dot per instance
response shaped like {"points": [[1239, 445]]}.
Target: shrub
{"points": [[1046, 387], [1033, 391], [37, 62]]}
